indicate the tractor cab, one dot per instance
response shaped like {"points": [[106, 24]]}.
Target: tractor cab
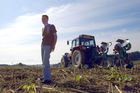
{"points": [[83, 42]]}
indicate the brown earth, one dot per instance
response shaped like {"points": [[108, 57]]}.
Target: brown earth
{"points": [[65, 80]]}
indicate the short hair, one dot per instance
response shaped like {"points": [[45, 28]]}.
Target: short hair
{"points": [[45, 16]]}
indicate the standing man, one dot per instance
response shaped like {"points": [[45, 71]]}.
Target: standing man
{"points": [[104, 50], [48, 45]]}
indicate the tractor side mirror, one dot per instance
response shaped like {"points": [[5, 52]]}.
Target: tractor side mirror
{"points": [[67, 42]]}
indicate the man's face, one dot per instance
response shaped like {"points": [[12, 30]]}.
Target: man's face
{"points": [[44, 20]]}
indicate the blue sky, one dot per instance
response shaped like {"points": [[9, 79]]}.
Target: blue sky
{"points": [[107, 20]]}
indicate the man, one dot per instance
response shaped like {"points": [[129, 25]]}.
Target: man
{"points": [[104, 50], [122, 55], [48, 45]]}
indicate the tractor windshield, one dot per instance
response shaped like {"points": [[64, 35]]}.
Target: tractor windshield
{"points": [[87, 42], [84, 42]]}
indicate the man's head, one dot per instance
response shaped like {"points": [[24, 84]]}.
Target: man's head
{"points": [[45, 19]]}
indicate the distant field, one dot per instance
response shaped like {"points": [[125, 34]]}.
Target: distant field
{"points": [[68, 80], [137, 62]]}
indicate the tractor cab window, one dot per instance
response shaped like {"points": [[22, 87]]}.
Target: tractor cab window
{"points": [[73, 43], [77, 42], [91, 42], [87, 42]]}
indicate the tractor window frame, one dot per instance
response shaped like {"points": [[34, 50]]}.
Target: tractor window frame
{"points": [[77, 42], [73, 43]]}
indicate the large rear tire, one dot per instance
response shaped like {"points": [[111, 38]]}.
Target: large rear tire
{"points": [[64, 61], [78, 58]]}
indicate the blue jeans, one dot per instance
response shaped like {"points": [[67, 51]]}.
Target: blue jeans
{"points": [[45, 53]]}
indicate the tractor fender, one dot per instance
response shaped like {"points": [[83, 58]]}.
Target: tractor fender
{"points": [[80, 48]]}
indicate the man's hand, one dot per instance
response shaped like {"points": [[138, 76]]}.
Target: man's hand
{"points": [[53, 45], [52, 49]]}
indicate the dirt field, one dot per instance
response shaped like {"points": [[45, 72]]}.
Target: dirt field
{"points": [[24, 79]]}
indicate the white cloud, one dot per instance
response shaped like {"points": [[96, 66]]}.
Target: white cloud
{"points": [[23, 29], [20, 41], [76, 17]]}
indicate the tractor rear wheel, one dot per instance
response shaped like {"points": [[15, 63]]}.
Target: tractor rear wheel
{"points": [[64, 61], [78, 58]]}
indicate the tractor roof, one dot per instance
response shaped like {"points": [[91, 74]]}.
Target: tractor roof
{"points": [[85, 36]]}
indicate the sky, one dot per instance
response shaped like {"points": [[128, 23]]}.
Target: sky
{"points": [[107, 20]]}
